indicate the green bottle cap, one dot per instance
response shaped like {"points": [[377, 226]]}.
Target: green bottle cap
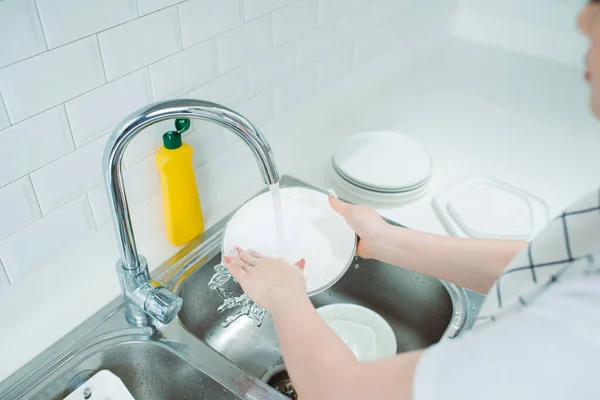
{"points": [[172, 140]]}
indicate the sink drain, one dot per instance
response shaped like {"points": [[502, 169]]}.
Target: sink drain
{"points": [[278, 378]]}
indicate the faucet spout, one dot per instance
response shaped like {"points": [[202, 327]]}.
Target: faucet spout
{"points": [[131, 265]]}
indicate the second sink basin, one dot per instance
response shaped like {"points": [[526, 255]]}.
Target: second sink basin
{"points": [[418, 307]]}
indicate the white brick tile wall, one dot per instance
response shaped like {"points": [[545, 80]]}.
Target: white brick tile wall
{"points": [[148, 142], [67, 20], [297, 89], [34, 143], [271, 67], [109, 58], [335, 66], [4, 281], [4, 121], [329, 9], [293, 20], [256, 8], [141, 182], [18, 207], [22, 252], [317, 44], [228, 89], [143, 41], [99, 111], [561, 15], [207, 139], [46, 80], [148, 6], [260, 108], [245, 42], [203, 19], [70, 176], [539, 28], [185, 70], [20, 19]]}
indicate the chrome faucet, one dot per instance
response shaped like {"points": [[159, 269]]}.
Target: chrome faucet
{"points": [[145, 300]]}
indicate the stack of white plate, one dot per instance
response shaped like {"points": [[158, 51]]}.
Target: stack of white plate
{"points": [[382, 166]]}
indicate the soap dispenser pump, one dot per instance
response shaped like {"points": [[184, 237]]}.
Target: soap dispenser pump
{"points": [[181, 202]]}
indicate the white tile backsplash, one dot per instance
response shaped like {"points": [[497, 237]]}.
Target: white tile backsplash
{"points": [[4, 120], [329, 9], [51, 78], [67, 20], [539, 28], [99, 111], [256, 8], [19, 21], [18, 207], [260, 108], [4, 281], [335, 66], [245, 42], [228, 89], [141, 182], [109, 58], [185, 70], [293, 20], [34, 143], [148, 6], [143, 41], [70, 176], [317, 44], [203, 19], [300, 87], [271, 67], [26, 250]]}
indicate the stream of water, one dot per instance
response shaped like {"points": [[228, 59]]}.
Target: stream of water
{"points": [[222, 279], [274, 188]]}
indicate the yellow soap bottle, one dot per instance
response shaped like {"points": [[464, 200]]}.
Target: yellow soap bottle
{"points": [[181, 203]]}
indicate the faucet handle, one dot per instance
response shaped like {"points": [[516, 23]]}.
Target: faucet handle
{"points": [[163, 304]]}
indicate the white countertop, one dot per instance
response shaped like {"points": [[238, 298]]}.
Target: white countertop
{"points": [[477, 110]]}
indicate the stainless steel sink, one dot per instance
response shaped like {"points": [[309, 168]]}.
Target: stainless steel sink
{"points": [[148, 369], [418, 308], [195, 357]]}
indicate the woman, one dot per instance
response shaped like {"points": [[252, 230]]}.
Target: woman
{"points": [[537, 335]]}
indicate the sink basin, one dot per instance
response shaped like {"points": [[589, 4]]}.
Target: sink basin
{"points": [[418, 307], [147, 370], [196, 357]]}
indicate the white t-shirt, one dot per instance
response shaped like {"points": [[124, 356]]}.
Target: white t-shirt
{"points": [[537, 335]]}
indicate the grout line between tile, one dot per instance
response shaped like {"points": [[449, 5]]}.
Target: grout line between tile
{"points": [[3, 102], [37, 10], [37, 198], [102, 59], [70, 129], [89, 201]]}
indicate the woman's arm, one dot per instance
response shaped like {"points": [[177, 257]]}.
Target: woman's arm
{"points": [[471, 263], [323, 367], [319, 363]]}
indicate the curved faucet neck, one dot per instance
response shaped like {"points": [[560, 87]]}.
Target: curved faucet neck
{"points": [[143, 118]]}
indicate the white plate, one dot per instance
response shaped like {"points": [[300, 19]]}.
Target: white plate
{"points": [[384, 160], [375, 197], [376, 189], [312, 230], [365, 332]]}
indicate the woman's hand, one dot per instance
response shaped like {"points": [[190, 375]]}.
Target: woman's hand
{"points": [[366, 222], [267, 281]]}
